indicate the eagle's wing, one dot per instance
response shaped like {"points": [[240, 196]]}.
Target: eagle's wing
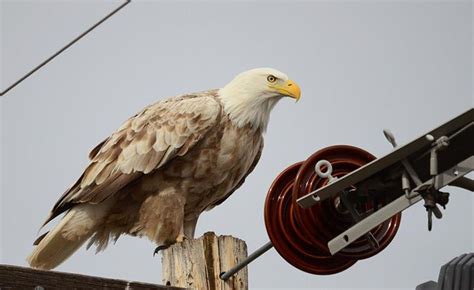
{"points": [[142, 144], [252, 167]]}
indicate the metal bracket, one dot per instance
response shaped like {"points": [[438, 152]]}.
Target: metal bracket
{"points": [[447, 177]]}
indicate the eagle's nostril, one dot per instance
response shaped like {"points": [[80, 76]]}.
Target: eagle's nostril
{"points": [[290, 85]]}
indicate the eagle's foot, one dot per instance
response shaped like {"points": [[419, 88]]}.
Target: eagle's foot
{"points": [[160, 248], [181, 238]]}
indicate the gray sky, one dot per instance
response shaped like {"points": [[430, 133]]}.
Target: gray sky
{"points": [[362, 66]]}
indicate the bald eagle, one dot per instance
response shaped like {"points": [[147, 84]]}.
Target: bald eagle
{"points": [[164, 166]]}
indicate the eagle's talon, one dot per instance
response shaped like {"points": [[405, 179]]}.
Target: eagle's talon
{"points": [[159, 248]]}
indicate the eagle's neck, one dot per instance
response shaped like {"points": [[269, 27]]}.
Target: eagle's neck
{"points": [[245, 109]]}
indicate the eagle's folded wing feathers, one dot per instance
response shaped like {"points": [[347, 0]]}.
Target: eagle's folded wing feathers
{"points": [[142, 144]]}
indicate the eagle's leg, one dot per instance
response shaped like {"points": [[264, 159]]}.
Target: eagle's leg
{"points": [[162, 217], [186, 232], [190, 227], [181, 237]]}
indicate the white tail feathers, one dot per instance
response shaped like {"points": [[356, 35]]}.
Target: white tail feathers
{"points": [[76, 227]]}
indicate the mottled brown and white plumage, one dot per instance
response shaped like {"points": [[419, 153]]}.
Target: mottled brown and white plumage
{"points": [[166, 165]]}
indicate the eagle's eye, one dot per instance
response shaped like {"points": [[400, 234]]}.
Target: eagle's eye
{"points": [[271, 78]]}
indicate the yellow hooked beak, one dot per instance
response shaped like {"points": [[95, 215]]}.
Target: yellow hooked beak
{"points": [[288, 88]]}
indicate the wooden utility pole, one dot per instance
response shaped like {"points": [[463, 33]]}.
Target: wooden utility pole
{"points": [[198, 263]]}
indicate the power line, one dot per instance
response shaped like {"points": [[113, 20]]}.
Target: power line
{"points": [[64, 48]]}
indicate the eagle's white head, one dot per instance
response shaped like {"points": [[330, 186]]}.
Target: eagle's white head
{"points": [[251, 95]]}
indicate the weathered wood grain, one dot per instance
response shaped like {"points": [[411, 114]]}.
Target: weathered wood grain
{"points": [[14, 277], [198, 263]]}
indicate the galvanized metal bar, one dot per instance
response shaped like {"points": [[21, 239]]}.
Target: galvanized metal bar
{"points": [[374, 244], [226, 275], [451, 175], [365, 225]]}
